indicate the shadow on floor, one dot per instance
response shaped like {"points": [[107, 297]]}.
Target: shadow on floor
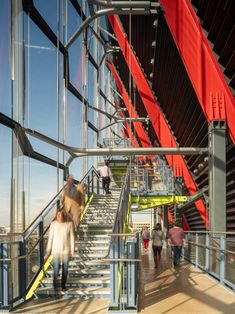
{"points": [[166, 289]]}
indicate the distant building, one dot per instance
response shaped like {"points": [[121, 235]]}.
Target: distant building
{"points": [[138, 226]]}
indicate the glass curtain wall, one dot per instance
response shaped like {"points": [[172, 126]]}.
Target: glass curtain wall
{"points": [[52, 90]]}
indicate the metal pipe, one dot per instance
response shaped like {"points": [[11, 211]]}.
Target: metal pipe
{"points": [[100, 13], [194, 198], [142, 151], [123, 4], [120, 151]]}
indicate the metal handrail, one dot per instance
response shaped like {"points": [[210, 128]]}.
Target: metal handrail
{"points": [[211, 247], [43, 211], [122, 260], [215, 232], [26, 236], [122, 234]]}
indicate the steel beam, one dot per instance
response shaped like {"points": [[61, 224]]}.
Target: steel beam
{"points": [[217, 176], [140, 151], [125, 4], [159, 122], [193, 198], [120, 151]]}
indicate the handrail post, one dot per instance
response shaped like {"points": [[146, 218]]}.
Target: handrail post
{"points": [[207, 252], [4, 276], [92, 181], [41, 243], [196, 251], [222, 257], [114, 273], [131, 273], [88, 188], [98, 185], [22, 268], [189, 247]]}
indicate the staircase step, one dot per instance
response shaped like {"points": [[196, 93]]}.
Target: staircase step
{"points": [[92, 243], [73, 272], [88, 263], [95, 230], [95, 225], [91, 237], [92, 248], [79, 281], [89, 255], [91, 292]]}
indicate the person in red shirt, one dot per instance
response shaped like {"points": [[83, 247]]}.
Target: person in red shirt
{"points": [[176, 238]]}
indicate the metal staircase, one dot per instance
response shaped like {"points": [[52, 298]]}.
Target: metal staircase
{"points": [[89, 273]]}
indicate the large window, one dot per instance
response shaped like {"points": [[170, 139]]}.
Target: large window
{"points": [[5, 174], [34, 93], [5, 81]]}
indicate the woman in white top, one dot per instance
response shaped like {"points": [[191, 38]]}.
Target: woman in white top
{"points": [[61, 246], [157, 238]]}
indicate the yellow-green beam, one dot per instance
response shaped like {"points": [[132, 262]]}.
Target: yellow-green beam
{"points": [[145, 202]]}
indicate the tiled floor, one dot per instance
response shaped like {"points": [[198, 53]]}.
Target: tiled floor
{"points": [[165, 290]]}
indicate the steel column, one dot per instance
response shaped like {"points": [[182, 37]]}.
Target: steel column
{"points": [[217, 175]]}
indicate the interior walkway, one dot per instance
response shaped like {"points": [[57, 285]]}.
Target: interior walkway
{"points": [[165, 290], [182, 290]]}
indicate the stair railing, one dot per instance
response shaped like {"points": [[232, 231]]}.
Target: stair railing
{"points": [[124, 257], [22, 255]]}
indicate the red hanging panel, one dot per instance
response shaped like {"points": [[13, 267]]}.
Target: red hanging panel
{"points": [[212, 90], [158, 121]]}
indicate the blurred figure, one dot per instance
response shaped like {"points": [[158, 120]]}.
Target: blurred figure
{"points": [[146, 238], [149, 172], [61, 246], [105, 173], [73, 201], [176, 238], [157, 238]]}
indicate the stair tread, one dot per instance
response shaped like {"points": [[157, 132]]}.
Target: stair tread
{"points": [[98, 236], [91, 248], [75, 291], [88, 255], [95, 280], [92, 242], [104, 271], [88, 263]]}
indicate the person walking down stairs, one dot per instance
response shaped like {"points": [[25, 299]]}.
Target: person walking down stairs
{"points": [[105, 173], [61, 246], [73, 201]]}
